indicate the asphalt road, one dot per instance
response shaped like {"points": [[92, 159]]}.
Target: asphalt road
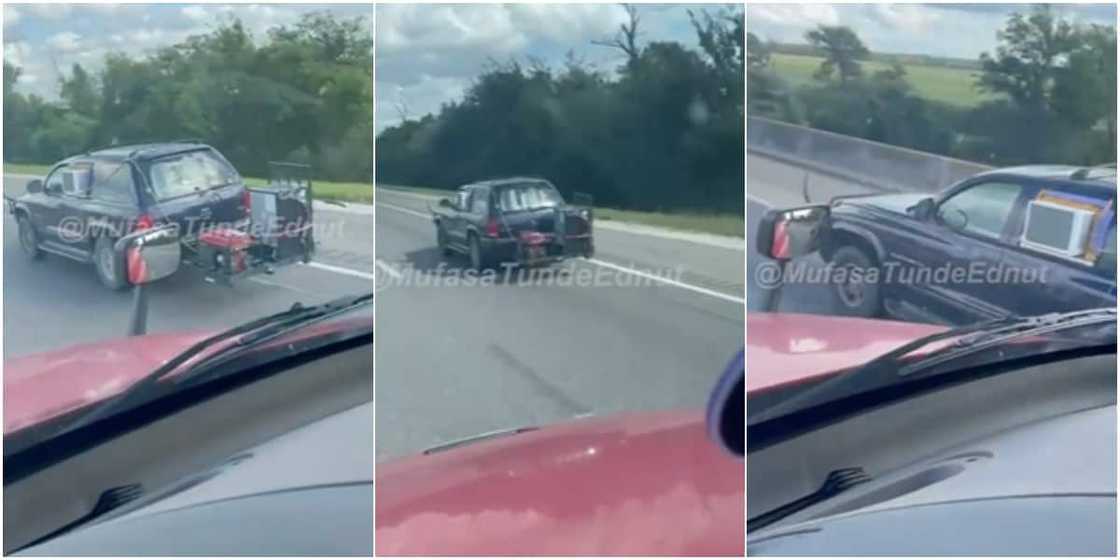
{"points": [[773, 184], [55, 302], [454, 361]]}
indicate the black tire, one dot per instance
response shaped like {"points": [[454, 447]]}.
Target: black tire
{"points": [[858, 298], [108, 266], [480, 261], [28, 238], [441, 241]]}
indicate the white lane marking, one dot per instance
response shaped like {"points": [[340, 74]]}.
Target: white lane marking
{"points": [[403, 209], [381, 265], [669, 281], [260, 280], [340, 270], [707, 239], [620, 268]]}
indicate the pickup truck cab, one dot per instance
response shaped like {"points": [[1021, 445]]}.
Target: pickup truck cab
{"points": [[1038, 239], [523, 220], [89, 201]]}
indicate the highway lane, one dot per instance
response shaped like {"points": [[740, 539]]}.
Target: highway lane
{"points": [[55, 302], [774, 184], [454, 361]]}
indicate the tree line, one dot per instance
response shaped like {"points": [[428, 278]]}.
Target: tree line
{"points": [[1054, 86], [304, 94], [663, 131]]}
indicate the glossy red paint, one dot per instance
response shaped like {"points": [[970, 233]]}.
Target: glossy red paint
{"points": [[631, 484], [42, 386], [787, 348]]}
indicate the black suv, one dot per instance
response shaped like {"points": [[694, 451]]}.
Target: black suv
{"points": [[523, 220], [1009, 225], [87, 202]]}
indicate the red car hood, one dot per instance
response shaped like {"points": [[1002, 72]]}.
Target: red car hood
{"points": [[787, 348], [42, 386], [632, 484]]}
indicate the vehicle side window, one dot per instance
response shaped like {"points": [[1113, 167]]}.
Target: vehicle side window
{"points": [[76, 178], [112, 182], [981, 209], [54, 181], [463, 199], [1107, 258], [478, 201]]}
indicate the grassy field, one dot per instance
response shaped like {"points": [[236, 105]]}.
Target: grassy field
{"points": [[954, 86], [719, 224], [324, 190]]}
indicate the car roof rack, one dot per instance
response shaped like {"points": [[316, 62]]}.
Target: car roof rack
{"points": [[1087, 172]]}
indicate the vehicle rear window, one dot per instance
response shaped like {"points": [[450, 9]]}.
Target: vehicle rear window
{"points": [[528, 196], [185, 173]]}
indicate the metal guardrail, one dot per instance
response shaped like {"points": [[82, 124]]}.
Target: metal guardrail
{"points": [[873, 164]]}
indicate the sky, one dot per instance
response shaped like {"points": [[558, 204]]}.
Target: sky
{"points": [[952, 30], [45, 40], [427, 55]]}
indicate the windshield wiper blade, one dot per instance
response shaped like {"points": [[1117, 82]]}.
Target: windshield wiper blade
{"points": [[836, 483], [251, 333], [891, 367]]}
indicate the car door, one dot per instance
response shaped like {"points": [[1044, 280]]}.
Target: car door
{"points": [[478, 210], [50, 216], [976, 222], [455, 225], [111, 202]]}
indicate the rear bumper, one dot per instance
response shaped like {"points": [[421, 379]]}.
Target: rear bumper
{"points": [[508, 250]]}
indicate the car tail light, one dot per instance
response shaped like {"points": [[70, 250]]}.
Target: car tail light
{"points": [[246, 201], [143, 222], [492, 228]]}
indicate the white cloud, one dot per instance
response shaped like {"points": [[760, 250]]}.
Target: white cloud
{"points": [[907, 18], [49, 11], [66, 41], [17, 53], [196, 13], [11, 16], [793, 14]]}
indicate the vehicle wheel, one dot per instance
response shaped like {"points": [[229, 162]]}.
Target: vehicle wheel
{"points": [[28, 238], [441, 241], [854, 296], [479, 261], [110, 268]]}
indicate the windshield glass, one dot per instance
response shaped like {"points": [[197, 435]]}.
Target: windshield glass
{"points": [[528, 196], [592, 262], [184, 174], [935, 207], [114, 267]]}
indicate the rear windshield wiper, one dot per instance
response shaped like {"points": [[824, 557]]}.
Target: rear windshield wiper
{"points": [[247, 335], [893, 367]]}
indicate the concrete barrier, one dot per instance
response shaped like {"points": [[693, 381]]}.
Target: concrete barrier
{"points": [[872, 164]]}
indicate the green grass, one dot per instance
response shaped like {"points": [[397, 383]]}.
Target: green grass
{"points": [[324, 190], [954, 86], [719, 224]]}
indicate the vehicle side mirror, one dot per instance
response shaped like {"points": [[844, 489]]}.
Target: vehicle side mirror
{"points": [[786, 234], [923, 210], [35, 186], [150, 254], [445, 203]]}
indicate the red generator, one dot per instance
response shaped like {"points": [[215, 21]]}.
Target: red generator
{"points": [[224, 250]]}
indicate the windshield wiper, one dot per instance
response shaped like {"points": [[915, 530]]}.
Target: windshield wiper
{"points": [[247, 335], [892, 367]]}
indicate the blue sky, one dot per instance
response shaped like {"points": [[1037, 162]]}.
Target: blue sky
{"points": [[46, 39], [428, 54], [956, 30]]}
